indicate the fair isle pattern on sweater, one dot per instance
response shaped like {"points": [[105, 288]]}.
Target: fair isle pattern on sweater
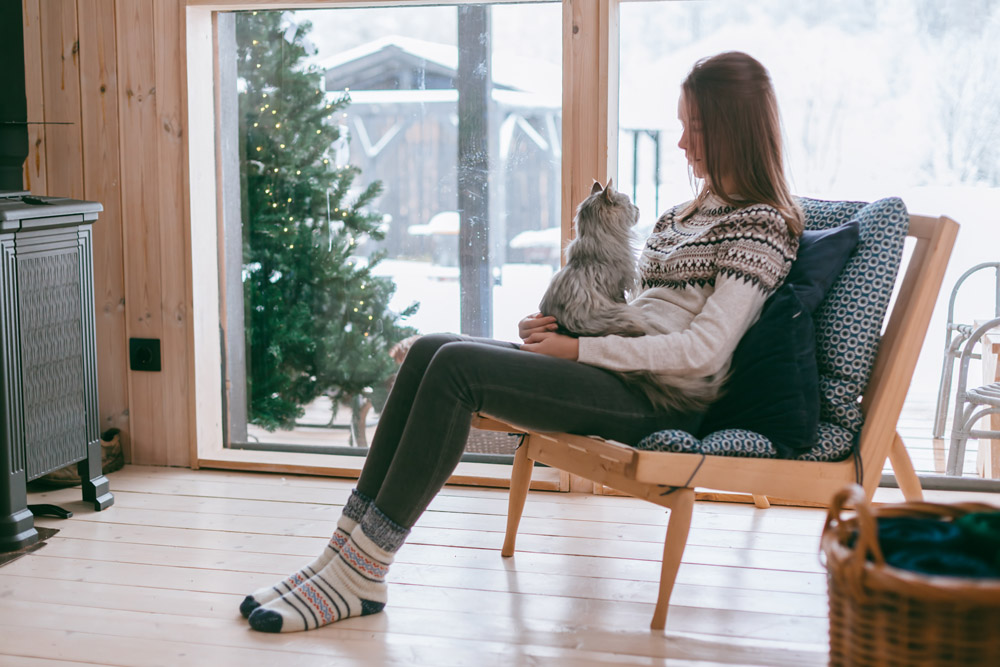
{"points": [[718, 239]]}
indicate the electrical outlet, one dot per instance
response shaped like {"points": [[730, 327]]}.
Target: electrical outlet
{"points": [[144, 354]]}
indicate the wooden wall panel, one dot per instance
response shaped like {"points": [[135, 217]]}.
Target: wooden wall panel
{"points": [[101, 182], [170, 140], [61, 89], [34, 166], [140, 183]]}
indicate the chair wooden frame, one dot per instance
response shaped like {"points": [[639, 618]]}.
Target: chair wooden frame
{"points": [[668, 479]]}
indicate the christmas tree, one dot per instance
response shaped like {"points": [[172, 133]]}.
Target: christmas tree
{"points": [[317, 319]]}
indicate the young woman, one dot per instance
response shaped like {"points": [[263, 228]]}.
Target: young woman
{"points": [[706, 271]]}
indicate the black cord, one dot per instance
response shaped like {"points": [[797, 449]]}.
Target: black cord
{"points": [[687, 484], [859, 466]]}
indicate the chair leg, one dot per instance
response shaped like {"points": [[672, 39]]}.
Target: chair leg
{"points": [[956, 455], [761, 502], [902, 466], [944, 389], [681, 506], [959, 436], [520, 479]]}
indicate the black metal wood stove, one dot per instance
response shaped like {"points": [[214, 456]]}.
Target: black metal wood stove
{"points": [[48, 354]]}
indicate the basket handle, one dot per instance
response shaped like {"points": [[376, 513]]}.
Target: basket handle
{"points": [[867, 541]]}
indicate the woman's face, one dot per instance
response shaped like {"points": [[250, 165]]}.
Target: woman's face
{"points": [[691, 142]]}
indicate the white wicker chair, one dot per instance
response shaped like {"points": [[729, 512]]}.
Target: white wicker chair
{"points": [[973, 404], [956, 336]]}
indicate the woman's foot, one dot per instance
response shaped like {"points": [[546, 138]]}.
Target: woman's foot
{"points": [[352, 584], [354, 509]]}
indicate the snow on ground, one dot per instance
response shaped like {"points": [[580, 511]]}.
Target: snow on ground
{"points": [[436, 288]]}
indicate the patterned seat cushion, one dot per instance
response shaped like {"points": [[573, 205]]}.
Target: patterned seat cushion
{"points": [[848, 328], [834, 444]]}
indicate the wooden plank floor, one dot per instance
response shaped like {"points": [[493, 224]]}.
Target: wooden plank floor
{"points": [[157, 579]]}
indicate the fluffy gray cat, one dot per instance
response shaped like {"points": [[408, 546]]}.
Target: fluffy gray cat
{"points": [[589, 295]]}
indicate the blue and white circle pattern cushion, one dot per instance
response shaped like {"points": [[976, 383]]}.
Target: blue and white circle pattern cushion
{"points": [[833, 444], [848, 329]]}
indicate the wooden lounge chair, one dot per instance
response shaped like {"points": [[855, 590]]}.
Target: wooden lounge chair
{"points": [[668, 478]]}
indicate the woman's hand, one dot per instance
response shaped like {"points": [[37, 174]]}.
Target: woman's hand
{"points": [[535, 323], [553, 344]]}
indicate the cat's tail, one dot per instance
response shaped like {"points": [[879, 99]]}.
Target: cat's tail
{"points": [[613, 319], [676, 394]]}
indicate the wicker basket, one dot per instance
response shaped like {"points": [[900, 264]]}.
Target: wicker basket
{"points": [[881, 615], [111, 460]]}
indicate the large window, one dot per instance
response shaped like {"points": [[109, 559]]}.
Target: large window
{"points": [[396, 171], [878, 98]]}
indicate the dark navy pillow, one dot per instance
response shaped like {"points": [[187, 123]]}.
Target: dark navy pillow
{"points": [[822, 255], [773, 386]]}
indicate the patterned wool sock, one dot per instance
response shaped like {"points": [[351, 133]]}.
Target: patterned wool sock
{"points": [[352, 584], [354, 509]]}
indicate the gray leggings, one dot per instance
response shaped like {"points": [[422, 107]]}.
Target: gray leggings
{"points": [[446, 378]]}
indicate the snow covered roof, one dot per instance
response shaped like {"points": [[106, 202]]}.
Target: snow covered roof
{"points": [[538, 238], [445, 222], [509, 98], [509, 69]]}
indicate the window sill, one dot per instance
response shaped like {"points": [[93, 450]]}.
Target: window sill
{"points": [[326, 465]]}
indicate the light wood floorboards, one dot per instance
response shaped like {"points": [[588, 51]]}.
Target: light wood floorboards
{"points": [[157, 579]]}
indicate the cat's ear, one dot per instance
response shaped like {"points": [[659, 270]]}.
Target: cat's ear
{"points": [[609, 189], [597, 188]]}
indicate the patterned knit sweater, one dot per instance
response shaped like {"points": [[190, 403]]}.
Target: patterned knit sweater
{"points": [[704, 283]]}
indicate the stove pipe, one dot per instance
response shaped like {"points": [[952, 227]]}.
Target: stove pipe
{"points": [[13, 101]]}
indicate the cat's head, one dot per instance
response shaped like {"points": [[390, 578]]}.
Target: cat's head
{"points": [[606, 211]]}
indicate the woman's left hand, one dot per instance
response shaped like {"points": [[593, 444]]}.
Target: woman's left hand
{"points": [[553, 344]]}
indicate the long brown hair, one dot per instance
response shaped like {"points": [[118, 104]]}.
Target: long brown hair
{"points": [[732, 98]]}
